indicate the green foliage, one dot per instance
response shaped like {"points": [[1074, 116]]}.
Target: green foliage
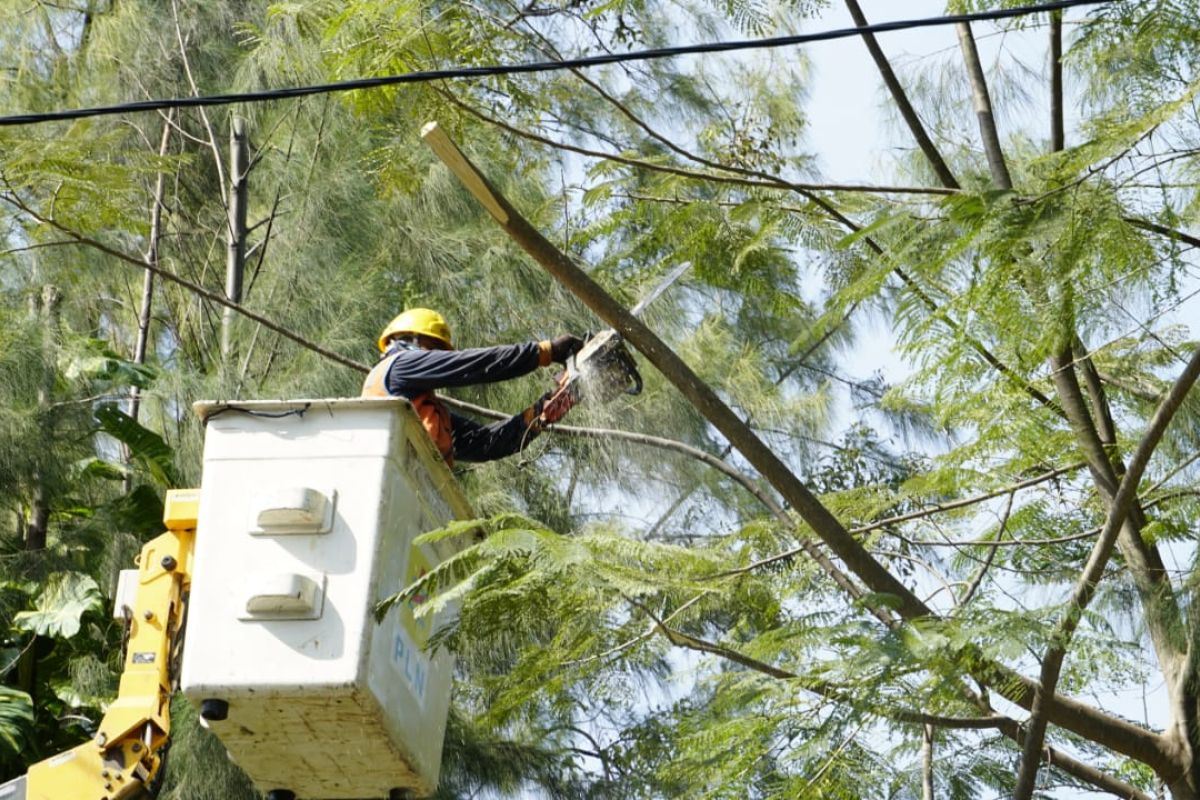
{"points": [[147, 447], [61, 604], [633, 622], [16, 718], [198, 766]]}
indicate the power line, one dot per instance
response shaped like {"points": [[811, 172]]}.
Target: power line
{"points": [[425, 76]]}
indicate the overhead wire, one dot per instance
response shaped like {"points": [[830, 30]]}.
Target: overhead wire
{"points": [[425, 76]]}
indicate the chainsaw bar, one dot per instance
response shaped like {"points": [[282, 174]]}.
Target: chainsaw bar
{"points": [[604, 368]]}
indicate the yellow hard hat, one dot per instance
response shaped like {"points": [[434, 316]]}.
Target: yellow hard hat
{"points": [[420, 321]]}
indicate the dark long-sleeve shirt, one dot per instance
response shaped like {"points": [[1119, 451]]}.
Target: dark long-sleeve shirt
{"points": [[414, 372]]}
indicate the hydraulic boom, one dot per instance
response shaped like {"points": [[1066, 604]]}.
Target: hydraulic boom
{"points": [[122, 760]]}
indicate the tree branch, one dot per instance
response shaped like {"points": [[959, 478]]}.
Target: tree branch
{"points": [[1121, 737], [1077, 769], [759, 183], [151, 257], [1143, 561], [807, 191], [746, 482], [1162, 230], [822, 688], [900, 97], [195, 288], [983, 107], [212, 137], [968, 501], [981, 573], [1122, 505], [1057, 134], [698, 393]]}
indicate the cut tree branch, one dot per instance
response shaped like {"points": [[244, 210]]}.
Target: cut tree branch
{"points": [[699, 393], [807, 191]]}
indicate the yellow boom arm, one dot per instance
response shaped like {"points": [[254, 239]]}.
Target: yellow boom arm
{"points": [[122, 759]]}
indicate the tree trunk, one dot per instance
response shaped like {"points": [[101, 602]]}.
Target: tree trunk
{"points": [[235, 262], [47, 308], [927, 762], [144, 312]]}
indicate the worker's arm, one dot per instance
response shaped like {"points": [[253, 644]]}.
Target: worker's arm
{"points": [[416, 371], [474, 442]]}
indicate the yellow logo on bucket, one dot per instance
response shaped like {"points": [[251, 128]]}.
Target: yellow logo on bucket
{"points": [[418, 629]]}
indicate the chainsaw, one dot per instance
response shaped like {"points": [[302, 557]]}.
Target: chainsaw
{"points": [[603, 369]]}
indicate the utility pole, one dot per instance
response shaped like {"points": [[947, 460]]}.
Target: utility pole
{"points": [[235, 261]]}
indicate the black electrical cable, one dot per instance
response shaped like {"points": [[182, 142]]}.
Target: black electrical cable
{"points": [[538, 66]]}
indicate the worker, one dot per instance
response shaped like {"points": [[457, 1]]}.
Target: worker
{"points": [[418, 357]]}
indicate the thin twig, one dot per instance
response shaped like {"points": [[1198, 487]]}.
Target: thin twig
{"points": [[212, 137], [195, 288]]}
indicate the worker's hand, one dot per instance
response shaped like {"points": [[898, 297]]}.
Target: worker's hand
{"points": [[565, 346]]}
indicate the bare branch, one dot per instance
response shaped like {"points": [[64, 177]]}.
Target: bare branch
{"points": [[808, 191], [195, 288], [1057, 134], [768, 501], [980, 573], [212, 137], [778, 183], [822, 688], [1163, 230], [983, 107], [151, 257], [883, 523], [900, 97], [927, 741], [1142, 559]]}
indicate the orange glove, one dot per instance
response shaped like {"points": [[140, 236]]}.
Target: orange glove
{"points": [[554, 405]]}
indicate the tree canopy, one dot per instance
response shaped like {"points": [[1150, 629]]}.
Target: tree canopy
{"points": [[771, 574]]}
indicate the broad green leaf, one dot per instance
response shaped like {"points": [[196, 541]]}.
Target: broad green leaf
{"points": [[60, 606], [140, 511], [107, 367], [146, 446], [16, 718], [95, 467]]}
